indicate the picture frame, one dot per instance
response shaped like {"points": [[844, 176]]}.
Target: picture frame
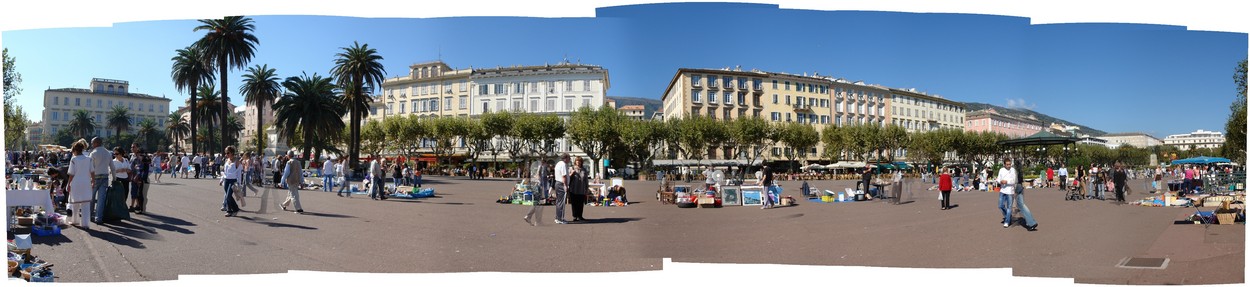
{"points": [[752, 196], [731, 196]]}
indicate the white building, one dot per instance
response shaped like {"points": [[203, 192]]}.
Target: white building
{"points": [[1140, 140], [59, 106], [1197, 139], [436, 89]]}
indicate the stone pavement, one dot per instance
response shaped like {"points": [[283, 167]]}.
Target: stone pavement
{"points": [[463, 230]]}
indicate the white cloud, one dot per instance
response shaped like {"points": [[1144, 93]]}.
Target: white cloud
{"points": [[1020, 104]]}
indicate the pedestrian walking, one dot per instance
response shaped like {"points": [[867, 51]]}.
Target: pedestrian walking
{"points": [[376, 179], [342, 177], [228, 180], [293, 175], [328, 174], [80, 180], [944, 189], [539, 185], [768, 181], [1029, 223], [122, 170], [562, 179], [1119, 178], [139, 184], [1063, 176], [1007, 181]]}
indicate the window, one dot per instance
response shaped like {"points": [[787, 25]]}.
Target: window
{"points": [[500, 89], [551, 87], [55, 115], [787, 100], [711, 97], [586, 102], [729, 82], [774, 85], [446, 103], [824, 120], [568, 104], [77, 102], [696, 80], [402, 106], [485, 106], [533, 105], [389, 108], [694, 97], [787, 85], [464, 86], [446, 88], [131, 105], [551, 105], [713, 81], [727, 112], [729, 98], [464, 102], [483, 89], [586, 85], [787, 117], [758, 84], [100, 103], [742, 83], [776, 116], [801, 100], [501, 105], [568, 86], [774, 99], [742, 98], [516, 105], [433, 105], [533, 87], [414, 105]]}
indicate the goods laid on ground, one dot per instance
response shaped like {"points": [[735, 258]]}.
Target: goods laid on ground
{"points": [[23, 263]]}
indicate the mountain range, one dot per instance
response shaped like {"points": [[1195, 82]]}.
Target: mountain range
{"points": [[652, 105]]}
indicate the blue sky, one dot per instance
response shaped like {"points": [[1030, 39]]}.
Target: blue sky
{"points": [[1113, 77]]}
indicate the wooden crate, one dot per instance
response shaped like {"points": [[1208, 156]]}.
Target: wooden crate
{"points": [[1226, 218]]}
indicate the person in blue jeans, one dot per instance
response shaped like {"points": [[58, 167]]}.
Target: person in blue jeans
{"points": [[100, 170], [1007, 181], [328, 175], [1029, 223]]}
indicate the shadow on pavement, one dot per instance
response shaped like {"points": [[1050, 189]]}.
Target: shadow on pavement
{"points": [[114, 238], [609, 220], [161, 226], [275, 224], [51, 240], [318, 214], [167, 219]]}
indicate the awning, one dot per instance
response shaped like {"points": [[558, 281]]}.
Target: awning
{"points": [[1039, 138]]}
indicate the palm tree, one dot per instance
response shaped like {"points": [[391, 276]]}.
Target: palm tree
{"points": [[232, 128], [355, 69], [176, 129], [190, 69], [207, 105], [260, 87], [312, 107], [147, 128], [119, 119], [230, 42], [82, 124]]}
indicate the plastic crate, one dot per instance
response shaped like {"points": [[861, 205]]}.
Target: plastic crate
{"points": [[53, 230]]}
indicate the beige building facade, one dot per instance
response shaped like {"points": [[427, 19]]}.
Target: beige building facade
{"points": [[916, 111], [1197, 139], [59, 106], [634, 112], [1140, 140]]}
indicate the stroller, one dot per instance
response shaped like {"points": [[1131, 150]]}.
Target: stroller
{"points": [[1074, 191]]}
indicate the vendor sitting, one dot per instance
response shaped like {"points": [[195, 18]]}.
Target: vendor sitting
{"points": [[617, 191]]}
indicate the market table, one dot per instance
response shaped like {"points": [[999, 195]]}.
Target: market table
{"points": [[33, 197]]}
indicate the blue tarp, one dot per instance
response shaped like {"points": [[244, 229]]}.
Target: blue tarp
{"points": [[1200, 160]]}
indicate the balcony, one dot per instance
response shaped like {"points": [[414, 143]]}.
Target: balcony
{"points": [[802, 107], [713, 86], [758, 89], [729, 86]]}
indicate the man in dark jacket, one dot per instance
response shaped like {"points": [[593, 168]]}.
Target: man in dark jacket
{"points": [[1120, 178]]}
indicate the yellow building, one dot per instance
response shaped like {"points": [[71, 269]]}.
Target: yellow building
{"points": [[59, 106]]}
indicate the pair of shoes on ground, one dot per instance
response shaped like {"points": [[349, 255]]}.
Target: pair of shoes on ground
{"points": [[558, 221], [231, 214], [576, 219]]}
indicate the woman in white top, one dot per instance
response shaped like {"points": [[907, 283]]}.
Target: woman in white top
{"points": [[120, 167], [80, 184], [229, 177]]}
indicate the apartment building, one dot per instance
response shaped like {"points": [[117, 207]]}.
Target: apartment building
{"points": [[992, 120], [1197, 139], [59, 106]]}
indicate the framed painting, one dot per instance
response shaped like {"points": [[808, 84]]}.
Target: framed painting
{"points": [[731, 195], [752, 195]]}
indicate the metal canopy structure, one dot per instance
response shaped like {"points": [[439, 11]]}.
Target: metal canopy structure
{"points": [[1039, 138]]}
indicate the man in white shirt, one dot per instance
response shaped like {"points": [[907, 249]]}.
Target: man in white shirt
{"points": [[327, 174], [376, 178], [1063, 176], [562, 179], [186, 163], [101, 161], [338, 172], [1007, 183], [293, 176]]}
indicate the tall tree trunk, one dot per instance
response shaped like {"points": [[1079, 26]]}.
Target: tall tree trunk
{"points": [[353, 145], [260, 116], [225, 106], [195, 148]]}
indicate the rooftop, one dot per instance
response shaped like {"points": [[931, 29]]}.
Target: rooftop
{"points": [[633, 107], [86, 91]]}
